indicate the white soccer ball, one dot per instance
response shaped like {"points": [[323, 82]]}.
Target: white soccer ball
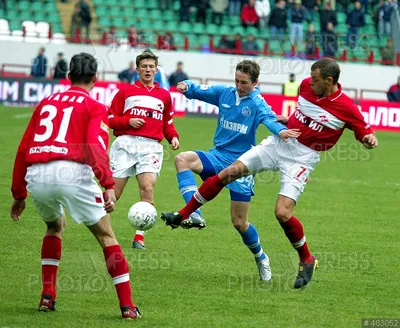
{"points": [[142, 216]]}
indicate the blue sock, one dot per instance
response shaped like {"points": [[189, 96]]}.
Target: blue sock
{"points": [[187, 185], [251, 240]]}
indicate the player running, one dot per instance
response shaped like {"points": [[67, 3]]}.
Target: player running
{"points": [[141, 115], [241, 110], [322, 114], [64, 146]]}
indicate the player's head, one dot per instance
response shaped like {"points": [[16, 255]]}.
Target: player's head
{"points": [[83, 69], [292, 77], [146, 66], [246, 77], [324, 75]]}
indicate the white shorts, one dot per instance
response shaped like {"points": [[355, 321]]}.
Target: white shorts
{"points": [[66, 184], [130, 155], [294, 161]]}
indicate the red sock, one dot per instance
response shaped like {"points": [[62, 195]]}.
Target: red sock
{"points": [[295, 233], [138, 237], [207, 191], [51, 256], [118, 269]]}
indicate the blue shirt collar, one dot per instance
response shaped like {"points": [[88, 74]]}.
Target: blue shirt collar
{"points": [[254, 94]]}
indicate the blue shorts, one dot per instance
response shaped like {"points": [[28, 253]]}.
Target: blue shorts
{"points": [[215, 161]]}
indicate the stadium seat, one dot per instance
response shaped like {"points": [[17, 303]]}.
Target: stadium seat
{"points": [[24, 5], [139, 4], [17, 35], [4, 26], [101, 11], [185, 27], [341, 18], [42, 28], [198, 28], [59, 38], [172, 26], [29, 26], [170, 15], [114, 11], [204, 40], [155, 15], [158, 26], [213, 29]]}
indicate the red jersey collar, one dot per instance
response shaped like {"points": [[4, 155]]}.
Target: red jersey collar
{"points": [[336, 94], [141, 85], [79, 89]]}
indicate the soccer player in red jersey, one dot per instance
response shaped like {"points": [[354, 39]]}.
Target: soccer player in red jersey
{"points": [[63, 148], [141, 116], [323, 112]]}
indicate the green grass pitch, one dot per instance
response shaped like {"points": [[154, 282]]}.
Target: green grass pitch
{"points": [[350, 212]]}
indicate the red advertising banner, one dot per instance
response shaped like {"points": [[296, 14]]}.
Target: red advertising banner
{"points": [[381, 115]]}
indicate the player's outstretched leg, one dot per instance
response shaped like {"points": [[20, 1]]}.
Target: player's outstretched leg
{"points": [[207, 191], [252, 241], [117, 266], [187, 186], [51, 256], [295, 233], [138, 240]]}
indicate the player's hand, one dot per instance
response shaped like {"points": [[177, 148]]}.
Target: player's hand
{"points": [[136, 123], [109, 200], [175, 143], [370, 141], [282, 119], [289, 133], [17, 207], [182, 87]]}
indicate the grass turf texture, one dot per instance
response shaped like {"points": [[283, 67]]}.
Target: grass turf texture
{"points": [[208, 278]]}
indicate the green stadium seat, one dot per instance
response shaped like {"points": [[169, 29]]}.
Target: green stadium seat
{"points": [[126, 3], [144, 24], [193, 40], [2, 14], [341, 28], [212, 29], [179, 40], [139, 3], [172, 26], [24, 5], [198, 28], [234, 20], [275, 46], [36, 6], [151, 4], [204, 40], [158, 26], [341, 18], [185, 27], [377, 54], [170, 15], [50, 6], [120, 22], [223, 30], [369, 20], [114, 11], [369, 29], [104, 21], [141, 13], [155, 15], [101, 11], [253, 30], [39, 16], [239, 30], [176, 6], [25, 15]]}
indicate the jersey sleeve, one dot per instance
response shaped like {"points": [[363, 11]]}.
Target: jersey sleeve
{"points": [[268, 117], [357, 123], [207, 93], [18, 187], [96, 147], [169, 130], [115, 113]]}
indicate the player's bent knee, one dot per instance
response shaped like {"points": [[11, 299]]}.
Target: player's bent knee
{"points": [[240, 224], [282, 214]]}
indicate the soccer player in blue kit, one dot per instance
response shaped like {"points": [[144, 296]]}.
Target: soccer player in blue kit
{"points": [[241, 110]]}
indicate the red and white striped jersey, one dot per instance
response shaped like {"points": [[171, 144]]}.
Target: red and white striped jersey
{"points": [[322, 120], [153, 104], [68, 126]]}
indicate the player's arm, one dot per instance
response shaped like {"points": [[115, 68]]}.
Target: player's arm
{"points": [[269, 119], [362, 130], [115, 113], [18, 187], [207, 93], [169, 130], [96, 147]]}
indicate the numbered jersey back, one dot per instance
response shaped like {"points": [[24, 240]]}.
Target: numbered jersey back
{"points": [[61, 126]]}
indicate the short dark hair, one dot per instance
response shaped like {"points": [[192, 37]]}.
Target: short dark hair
{"points": [[82, 68], [147, 54], [328, 67], [249, 67]]}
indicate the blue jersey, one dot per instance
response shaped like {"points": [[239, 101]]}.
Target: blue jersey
{"points": [[238, 118]]}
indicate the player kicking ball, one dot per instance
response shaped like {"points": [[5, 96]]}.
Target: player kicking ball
{"points": [[322, 114], [141, 116], [241, 110], [63, 148]]}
